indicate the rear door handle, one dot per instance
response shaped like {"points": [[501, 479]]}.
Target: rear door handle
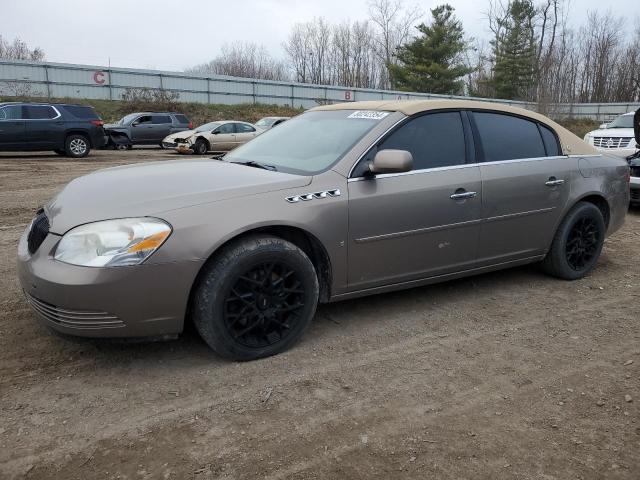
{"points": [[463, 195], [553, 182]]}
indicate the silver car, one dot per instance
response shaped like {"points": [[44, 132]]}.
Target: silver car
{"points": [[339, 202]]}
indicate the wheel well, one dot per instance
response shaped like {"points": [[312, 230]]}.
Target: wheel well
{"points": [[78, 132], [205, 141], [602, 205], [306, 242]]}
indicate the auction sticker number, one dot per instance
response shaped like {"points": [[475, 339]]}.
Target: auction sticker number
{"points": [[369, 114]]}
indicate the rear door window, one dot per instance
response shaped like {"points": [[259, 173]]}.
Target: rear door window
{"points": [[507, 137], [161, 119], [550, 141], [434, 140], [39, 112], [242, 128], [82, 112]]}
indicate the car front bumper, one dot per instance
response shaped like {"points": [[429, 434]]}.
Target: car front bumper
{"points": [[184, 148], [137, 301]]}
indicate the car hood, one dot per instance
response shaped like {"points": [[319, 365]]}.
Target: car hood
{"points": [[612, 132], [182, 134], [114, 126], [151, 188]]}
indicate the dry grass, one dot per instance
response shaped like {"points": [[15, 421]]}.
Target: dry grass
{"points": [[579, 126]]}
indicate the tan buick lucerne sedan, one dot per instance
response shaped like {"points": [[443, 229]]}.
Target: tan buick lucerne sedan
{"points": [[341, 201]]}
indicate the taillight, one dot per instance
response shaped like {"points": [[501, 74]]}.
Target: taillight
{"points": [[190, 125], [97, 123]]}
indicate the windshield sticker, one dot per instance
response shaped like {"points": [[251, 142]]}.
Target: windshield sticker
{"points": [[369, 114]]}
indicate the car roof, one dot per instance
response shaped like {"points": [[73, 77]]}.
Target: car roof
{"points": [[57, 104], [155, 113], [570, 143]]}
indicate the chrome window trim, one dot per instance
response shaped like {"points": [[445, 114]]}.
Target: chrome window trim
{"points": [[465, 165], [414, 172], [30, 119]]}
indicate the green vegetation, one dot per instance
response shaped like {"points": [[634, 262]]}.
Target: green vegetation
{"points": [[198, 113], [433, 61], [514, 50]]}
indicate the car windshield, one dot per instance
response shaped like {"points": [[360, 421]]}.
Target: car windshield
{"points": [[128, 119], [623, 121], [265, 122], [208, 126], [310, 143]]}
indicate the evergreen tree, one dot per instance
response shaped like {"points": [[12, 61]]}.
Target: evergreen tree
{"points": [[515, 52], [432, 62]]}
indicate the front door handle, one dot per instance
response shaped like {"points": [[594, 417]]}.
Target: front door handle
{"points": [[553, 182], [462, 195]]}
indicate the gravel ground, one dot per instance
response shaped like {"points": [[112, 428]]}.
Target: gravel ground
{"points": [[508, 375]]}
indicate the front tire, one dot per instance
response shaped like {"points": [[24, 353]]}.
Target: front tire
{"points": [[577, 244], [200, 147], [255, 298], [77, 146]]}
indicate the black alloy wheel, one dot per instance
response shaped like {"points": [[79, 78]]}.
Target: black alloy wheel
{"points": [[582, 243], [264, 305], [255, 297]]}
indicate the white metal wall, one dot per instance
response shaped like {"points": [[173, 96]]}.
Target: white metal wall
{"points": [[62, 80]]}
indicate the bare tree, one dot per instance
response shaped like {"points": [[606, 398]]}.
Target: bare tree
{"points": [[244, 60], [19, 50], [393, 24]]}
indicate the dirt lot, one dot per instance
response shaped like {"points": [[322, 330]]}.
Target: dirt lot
{"points": [[505, 375]]}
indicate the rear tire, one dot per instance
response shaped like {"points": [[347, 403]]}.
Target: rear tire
{"points": [[77, 146], [577, 243], [200, 147], [255, 298]]}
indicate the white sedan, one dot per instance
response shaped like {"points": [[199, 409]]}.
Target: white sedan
{"points": [[220, 136]]}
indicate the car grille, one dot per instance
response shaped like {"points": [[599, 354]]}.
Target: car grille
{"points": [[73, 318], [635, 171], [38, 232], [169, 144], [612, 142], [635, 195]]}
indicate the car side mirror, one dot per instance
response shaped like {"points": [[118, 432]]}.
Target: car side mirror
{"points": [[215, 132], [602, 126], [135, 124], [636, 126], [391, 161]]}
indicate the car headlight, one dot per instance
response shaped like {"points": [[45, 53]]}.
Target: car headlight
{"points": [[111, 243]]}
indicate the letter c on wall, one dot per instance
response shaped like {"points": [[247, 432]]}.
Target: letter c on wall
{"points": [[98, 77]]}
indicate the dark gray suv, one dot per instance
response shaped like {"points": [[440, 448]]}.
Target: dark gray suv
{"points": [[146, 128]]}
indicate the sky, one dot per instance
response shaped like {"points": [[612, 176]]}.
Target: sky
{"points": [[173, 35]]}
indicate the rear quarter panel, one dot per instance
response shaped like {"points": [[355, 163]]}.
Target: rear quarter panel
{"points": [[606, 176]]}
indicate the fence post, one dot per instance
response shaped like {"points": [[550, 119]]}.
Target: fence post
{"points": [[110, 84], [46, 79], [253, 89], [292, 105]]}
